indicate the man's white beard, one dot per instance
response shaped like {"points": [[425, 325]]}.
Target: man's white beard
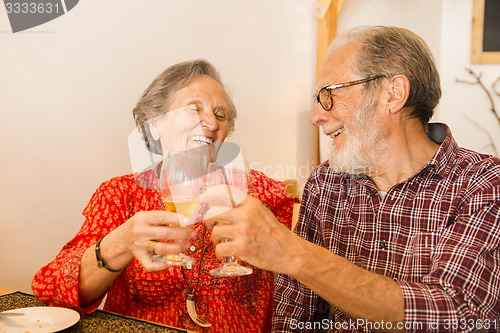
{"points": [[363, 142]]}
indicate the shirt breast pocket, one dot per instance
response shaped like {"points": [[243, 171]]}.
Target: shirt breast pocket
{"points": [[419, 252]]}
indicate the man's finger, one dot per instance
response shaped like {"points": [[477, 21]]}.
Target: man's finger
{"points": [[221, 215], [223, 195], [222, 233], [214, 211], [224, 249]]}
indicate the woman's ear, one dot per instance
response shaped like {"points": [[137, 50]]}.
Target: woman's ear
{"points": [[398, 92], [153, 129]]}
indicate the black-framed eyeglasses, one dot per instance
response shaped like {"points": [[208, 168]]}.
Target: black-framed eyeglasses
{"points": [[325, 97]]}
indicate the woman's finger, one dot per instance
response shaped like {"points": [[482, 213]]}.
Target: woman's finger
{"points": [[162, 248], [170, 233], [161, 218], [149, 264]]}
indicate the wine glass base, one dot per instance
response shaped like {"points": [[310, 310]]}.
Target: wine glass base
{"points": [[175, 259], [231, 270]]}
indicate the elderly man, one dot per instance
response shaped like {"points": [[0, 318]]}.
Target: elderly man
{"points": [[400, 228]]}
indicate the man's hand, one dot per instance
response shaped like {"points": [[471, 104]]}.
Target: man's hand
{"points": [[253, 233]]}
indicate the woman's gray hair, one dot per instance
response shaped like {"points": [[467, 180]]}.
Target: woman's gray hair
{"points": [[391, 51], [158, 97]]}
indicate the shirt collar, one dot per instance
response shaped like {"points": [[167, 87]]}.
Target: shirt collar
{"points": [[443, 160]]}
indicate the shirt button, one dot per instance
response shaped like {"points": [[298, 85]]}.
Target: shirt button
{"points": [[192, 248], [383, 245]]}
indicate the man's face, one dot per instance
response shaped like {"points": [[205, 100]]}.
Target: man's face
{"points": [[352, 122]]}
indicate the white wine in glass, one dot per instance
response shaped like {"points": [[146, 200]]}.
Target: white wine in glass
{"points": [[185, 206], [181, 183]]}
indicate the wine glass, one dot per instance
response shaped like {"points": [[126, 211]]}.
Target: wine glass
{"points": [[234, 177], [248, 173], [182, 180]]}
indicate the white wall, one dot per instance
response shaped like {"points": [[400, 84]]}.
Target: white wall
{"points": [[67, 89]]}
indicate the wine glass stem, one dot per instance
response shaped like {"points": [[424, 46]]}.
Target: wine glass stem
{"points": [[229, 260]]}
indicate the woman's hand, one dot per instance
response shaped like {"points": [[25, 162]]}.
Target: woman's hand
{"points": [[130, 240], [134, 235]]}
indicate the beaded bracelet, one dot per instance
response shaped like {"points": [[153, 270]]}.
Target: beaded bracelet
{"points": [[100, 262]]}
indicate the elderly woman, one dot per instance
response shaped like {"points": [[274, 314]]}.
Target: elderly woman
{"points": [[110, 255]]}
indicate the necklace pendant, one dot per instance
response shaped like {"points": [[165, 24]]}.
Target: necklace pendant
{"points": [[191, 308]]}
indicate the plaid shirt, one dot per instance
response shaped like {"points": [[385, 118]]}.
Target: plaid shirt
{"points": [[437, 234]]}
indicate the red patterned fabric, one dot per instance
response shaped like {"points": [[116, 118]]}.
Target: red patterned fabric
{"points": [[230, 304]]}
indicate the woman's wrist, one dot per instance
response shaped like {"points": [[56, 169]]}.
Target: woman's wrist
{"points": [[110, 254], [100, 261]]}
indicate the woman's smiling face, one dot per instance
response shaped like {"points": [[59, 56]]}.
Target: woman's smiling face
{"points": [[196, 117]]}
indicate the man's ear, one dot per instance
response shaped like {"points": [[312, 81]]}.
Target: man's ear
{"points": [[398, 92]]}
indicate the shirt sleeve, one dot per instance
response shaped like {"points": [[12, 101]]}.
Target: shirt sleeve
{"points": [[462, 291], [56, 283], [295, 304]]}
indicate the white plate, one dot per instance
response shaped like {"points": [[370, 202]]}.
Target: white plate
{"points": [[40, 319]]}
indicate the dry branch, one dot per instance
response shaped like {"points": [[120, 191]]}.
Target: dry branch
{"points": [[478, 81], [490, 97]]}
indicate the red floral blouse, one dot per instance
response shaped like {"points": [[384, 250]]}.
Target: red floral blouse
{"points": [[230, 304]]}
